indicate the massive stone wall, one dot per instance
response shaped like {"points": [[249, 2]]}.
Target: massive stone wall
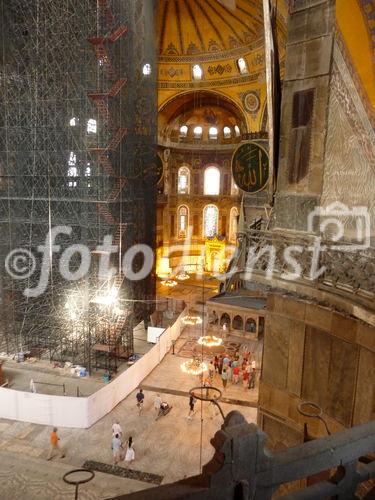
{"points": [[312, 353], [349, 166]]}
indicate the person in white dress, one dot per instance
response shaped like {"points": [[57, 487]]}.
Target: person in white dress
{"points": [[130, 455], [157, 405]]}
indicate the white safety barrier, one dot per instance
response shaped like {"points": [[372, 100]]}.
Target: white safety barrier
{"points": [[63, 411]]}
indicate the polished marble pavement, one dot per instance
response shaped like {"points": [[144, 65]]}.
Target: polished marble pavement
{"points": [[169, 447]]}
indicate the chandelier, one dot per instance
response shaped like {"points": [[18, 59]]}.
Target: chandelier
{"points": [[194, 367], [192, 320], [210, 341], [169, 282], [182, 276]]}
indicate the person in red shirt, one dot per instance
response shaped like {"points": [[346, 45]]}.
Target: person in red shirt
{"points": [[54, 444], [236, 373]]}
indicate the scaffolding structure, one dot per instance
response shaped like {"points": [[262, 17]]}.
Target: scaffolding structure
{"points": [[77, 149]]}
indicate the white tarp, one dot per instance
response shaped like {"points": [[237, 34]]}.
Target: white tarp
{"points": [[63, 411]]}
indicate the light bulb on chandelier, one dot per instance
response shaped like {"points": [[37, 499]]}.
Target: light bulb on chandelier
{"points": [[170, 283], [192, 320], [194, 367], [210, 341]]}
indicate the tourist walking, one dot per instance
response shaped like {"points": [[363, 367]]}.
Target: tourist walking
{"points": [[229, 371], [130, 454], [224, 377], [252, 379], [116, 448], [116, 429], [54, 445], [216, 363], [192, 402], [140, 399], [211, 370], [220, 366], [32, 386], [226, 360], [246, 375], [236, 373], [157, 405]]}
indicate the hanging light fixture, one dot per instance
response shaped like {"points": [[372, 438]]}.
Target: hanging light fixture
{"points": [[192, 320], [194, 367], [182, 276], [170, 283], [210, 341]]}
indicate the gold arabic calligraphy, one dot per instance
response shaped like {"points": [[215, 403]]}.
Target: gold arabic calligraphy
{"points": [[251, 168]]}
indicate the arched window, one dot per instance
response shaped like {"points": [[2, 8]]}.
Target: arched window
{"points": [[233, 224], [210, 221], [227, 133], [88, 175], [251, 325], [242, 66], [212, 133], [197, 72], [212, 181], [237, 323], [183, 221], [183, 131], [183, 180], [72, 172], [225, 320], [146, 70], [72, 159], [198, 131], [237, 130], [91, 126], [73, 121]]}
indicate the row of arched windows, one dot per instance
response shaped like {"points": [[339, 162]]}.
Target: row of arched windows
{"points": [[210, 222], [241, 64], [213, 132], [211, 185]]}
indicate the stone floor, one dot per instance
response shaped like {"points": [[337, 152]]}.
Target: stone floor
{"points": [[172, 447]]}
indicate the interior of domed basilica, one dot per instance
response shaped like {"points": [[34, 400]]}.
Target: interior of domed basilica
{"points": [[187, 249]]}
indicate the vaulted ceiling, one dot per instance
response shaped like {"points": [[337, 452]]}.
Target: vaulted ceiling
{"points": [[196, 27]]}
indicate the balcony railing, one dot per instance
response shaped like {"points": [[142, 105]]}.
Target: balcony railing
{"points": [[243, 468], [347, 272]]}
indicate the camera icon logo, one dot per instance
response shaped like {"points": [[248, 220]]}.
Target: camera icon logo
{"points": [[334, 220]]}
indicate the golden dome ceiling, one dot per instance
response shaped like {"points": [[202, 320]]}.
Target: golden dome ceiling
{"points": [[187, 28]]}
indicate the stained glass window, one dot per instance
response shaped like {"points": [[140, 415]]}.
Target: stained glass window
{"points": [[183, 221], [242, 66], [212, 181], [210, 220], [91, 126], [233, 224], [227, 133], [146, 70], [183, 180], [183, 130], [197, 72], [198, 131], [212, 133]]}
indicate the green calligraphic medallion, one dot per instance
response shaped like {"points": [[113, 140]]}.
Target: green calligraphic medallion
{"points": [[250, 167]]}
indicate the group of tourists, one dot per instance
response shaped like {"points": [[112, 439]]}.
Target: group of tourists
{"points": [[233, 369], [119, 453]]}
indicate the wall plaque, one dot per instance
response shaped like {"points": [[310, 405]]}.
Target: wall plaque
{"points": [[250, 167]]}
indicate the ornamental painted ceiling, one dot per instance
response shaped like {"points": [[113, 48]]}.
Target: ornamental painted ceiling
{"points": [[188, 28]]}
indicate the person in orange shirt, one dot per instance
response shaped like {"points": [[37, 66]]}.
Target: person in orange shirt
{"points": [[54, 441]]}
